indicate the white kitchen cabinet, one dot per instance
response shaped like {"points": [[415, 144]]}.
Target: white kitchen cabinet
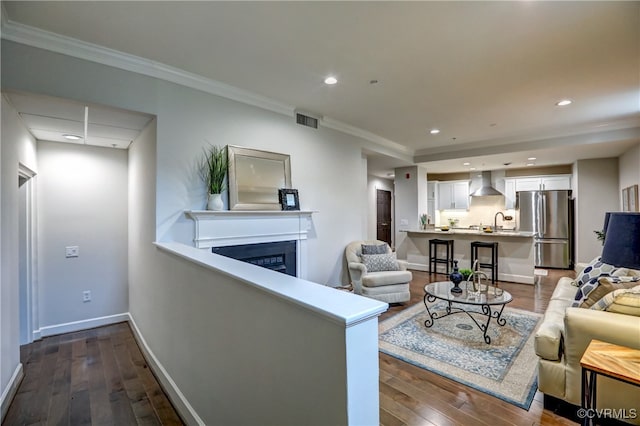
{"points": [[528, 184], [538, 183], [432, 191], [543, 183], [453, 195], [509, 194], [551, 183]]}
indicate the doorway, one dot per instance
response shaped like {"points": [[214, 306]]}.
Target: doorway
{"points": [[383, 216], [26, 254]]}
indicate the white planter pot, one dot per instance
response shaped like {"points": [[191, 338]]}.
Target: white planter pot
{"points": [[215, 202]]}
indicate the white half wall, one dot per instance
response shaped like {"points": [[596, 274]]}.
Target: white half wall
{"points": [[229, 352], [17, 147], [596, 192], [82, 200]]}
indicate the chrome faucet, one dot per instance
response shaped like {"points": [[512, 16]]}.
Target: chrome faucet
{"points": [[495, 220]]}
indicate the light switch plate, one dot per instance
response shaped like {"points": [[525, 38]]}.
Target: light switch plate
{"points": [[72, 251]]}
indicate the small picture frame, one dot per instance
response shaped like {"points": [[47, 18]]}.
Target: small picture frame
{"points": [[630, 199], [289, 199]]}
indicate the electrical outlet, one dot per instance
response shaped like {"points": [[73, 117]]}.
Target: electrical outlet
{"points": [[86, 296], [72, 251]]}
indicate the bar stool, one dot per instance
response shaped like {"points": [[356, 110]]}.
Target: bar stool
{"points": [[433, 254], [493, 265]]}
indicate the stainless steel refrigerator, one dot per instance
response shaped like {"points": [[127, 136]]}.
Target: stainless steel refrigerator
{"points": [[549, 215]]}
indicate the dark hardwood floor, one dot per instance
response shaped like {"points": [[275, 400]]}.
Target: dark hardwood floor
{"points": [[412, 396], [90, 377], [99, 377]]}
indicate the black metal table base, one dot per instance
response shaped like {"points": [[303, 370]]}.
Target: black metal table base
{"points": [[450, 310]]}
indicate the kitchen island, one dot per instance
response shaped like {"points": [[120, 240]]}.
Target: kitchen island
{"points": [[515, 250]]}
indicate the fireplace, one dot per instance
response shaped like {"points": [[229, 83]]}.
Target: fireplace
{"points": [[278, 256], [218, 230]]}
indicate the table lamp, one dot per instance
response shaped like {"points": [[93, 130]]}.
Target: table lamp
{"points": [[622, 240]]}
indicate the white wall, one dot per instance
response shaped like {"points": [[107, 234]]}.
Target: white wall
{"points": [[629, 169], [245, 362], [374, 183], [596, 192], [18, 146], [326, 165], [410, 202], [82, 201], [178, 307]]}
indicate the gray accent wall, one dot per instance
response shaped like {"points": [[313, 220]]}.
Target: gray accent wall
{"points": [[596, 192]]}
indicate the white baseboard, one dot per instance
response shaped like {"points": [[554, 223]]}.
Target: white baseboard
{"points": [[522, 279], [10, 391], [70, 327], [177, 398], [417, 267]]}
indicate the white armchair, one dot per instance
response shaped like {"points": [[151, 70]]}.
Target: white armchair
{"points": [[391, 286]]}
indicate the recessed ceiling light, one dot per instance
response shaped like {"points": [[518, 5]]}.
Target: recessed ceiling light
{"points": [[434, 131], [330, 80], [72, 137], [466, 164], [472, 168], [531, 164], [564, 102], [531, 158]]}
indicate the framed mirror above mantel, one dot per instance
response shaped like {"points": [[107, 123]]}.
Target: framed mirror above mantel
{"points": [[255, 177]]}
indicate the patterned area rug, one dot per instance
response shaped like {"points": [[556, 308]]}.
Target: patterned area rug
{"points": [[454, 348]]}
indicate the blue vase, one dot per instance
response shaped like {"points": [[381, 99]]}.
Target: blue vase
{"points": [[456, 278]]}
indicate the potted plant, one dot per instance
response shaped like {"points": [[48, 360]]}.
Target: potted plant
{"points": [[466, 273], [423, 221], [213, 170]]}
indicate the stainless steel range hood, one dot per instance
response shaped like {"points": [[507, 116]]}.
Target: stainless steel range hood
{"points": [[485, 189]]}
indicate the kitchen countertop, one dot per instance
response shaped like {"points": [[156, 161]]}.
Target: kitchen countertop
{"points": [[515, 250], [462, 231]]}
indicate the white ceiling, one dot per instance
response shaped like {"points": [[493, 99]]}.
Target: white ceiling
{"points": [[487, 74], [49, 118]]}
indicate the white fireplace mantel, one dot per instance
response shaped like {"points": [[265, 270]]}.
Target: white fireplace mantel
{"points": [[232, 227]]}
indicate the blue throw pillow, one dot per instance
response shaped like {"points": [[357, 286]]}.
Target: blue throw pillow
{"points": [[588, 279]]}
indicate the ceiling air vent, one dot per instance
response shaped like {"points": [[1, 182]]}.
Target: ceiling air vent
{"points": [[306, 120]]}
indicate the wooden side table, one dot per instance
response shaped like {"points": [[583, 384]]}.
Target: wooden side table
{"points": [[609, 360]]}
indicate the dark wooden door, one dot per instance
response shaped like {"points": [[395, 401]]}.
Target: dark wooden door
{"points": [[383, 215]]}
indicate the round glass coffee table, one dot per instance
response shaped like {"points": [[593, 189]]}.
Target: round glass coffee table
{"points": [[491, 303]]}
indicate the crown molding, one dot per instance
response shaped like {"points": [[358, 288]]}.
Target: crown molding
{"points": [[438, 154], [371, 137], [36, 37], [31, 36]]}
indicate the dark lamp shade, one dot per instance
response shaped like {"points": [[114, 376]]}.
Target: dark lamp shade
{"points": [[622, 241]]}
